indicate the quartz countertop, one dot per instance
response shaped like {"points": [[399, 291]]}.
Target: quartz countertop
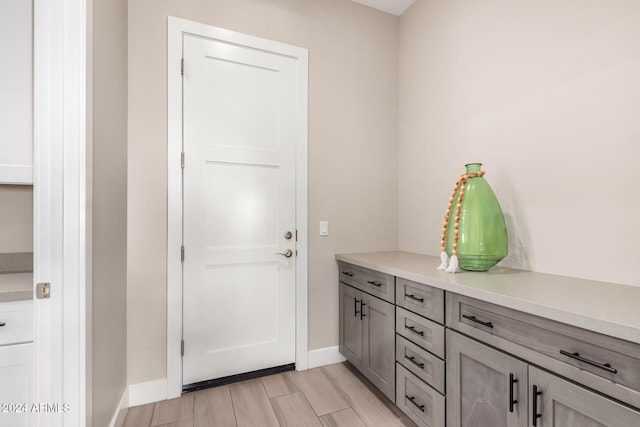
{"points": [[16, 287], [608, 308]]}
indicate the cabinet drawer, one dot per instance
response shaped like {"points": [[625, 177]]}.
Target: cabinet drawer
{"points": [[421, 403], [427, 334], [17, 318], [609, 358], [372, 282], [420, 362], [425, 300]]}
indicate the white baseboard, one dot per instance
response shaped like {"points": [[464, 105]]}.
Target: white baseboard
{"points": [[324, 356], [149, 392], [121, 411]]}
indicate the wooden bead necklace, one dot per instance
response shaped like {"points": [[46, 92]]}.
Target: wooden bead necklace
{"points": [[461, 183]]}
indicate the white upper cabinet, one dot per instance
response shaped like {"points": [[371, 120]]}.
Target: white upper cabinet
{"points": [[16, 92]]}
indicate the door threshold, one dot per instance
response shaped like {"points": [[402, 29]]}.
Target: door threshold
{"points": [[201, 385]]}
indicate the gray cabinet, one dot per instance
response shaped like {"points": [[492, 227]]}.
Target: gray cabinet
{"points": [[350, 324], [367, 330], [559, 403], [424, 405], [485, 387]]}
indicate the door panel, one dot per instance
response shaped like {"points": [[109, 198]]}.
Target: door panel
{"points": [[563, 404], [379, 350], [350, 324], [240, 112], [478, 383]]}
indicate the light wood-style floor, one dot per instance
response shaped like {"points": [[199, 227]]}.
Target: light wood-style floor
{"points": [[331, 396]]}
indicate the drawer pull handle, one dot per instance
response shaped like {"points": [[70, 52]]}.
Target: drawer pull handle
{"points": [[371, 282], [474, 319], [512, 401], [413, 297], [414, 330], [2, 324], [606, 366], [346, 273], [536, 415], [413, 360], [412, 399]]}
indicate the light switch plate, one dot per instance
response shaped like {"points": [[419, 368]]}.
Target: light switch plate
{"points": [[324, 228]]}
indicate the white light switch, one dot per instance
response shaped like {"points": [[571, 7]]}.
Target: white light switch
{"points": [[324, 228]]}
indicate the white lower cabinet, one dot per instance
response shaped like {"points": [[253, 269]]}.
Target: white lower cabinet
{"points": [[16, 366], [16, 363]]}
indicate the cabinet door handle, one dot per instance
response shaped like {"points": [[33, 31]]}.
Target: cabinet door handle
{"points": [[512, 401], [412, 359], [606, 366], [355, 307], [414, 330], [346, 273], [2, 324], [413, 297], [362, 315], [412, 399], [536, 415], [474, 319], [371, 282]]}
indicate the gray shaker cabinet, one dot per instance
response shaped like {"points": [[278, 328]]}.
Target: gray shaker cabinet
{"points": [[351, 325], [559, 403], [485, 387], [367, 333]]}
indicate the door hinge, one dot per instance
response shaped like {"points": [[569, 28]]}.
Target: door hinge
{"points": [[182, 253], [182, 66], [43, 290], [182, 348], [182, 160]]}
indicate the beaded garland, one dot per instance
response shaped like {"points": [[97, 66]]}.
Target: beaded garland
{"points": [[461, 183]]}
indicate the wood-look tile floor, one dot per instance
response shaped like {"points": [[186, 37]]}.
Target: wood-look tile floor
{"points": [[330, 396]]}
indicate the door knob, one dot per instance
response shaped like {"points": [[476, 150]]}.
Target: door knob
{"points": [[286, 253], [288, 235]]}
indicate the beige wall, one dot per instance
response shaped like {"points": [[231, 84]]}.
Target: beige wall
{"points": [[16, 218], [109, 322], [547, 95], [352, 148]]}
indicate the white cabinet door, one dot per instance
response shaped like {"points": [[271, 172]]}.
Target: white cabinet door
{"points": [[15, 387], [16, 92]]}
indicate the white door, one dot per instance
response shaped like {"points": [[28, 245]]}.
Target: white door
{"points": [[239, 124]]}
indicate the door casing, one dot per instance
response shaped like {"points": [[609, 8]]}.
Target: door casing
{"points": [[176, 28]]}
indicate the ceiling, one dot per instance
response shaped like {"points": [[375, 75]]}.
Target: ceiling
{"points": [[394, 7]]}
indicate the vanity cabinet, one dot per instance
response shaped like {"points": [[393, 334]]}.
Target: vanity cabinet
{"points": [[367, 336]]}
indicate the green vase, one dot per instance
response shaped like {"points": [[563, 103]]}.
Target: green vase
{"points": [[482, 236]]}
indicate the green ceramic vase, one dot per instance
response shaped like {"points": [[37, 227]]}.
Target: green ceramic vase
{"points": [[482, 239]]}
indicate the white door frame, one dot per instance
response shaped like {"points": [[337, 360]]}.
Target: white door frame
{"points": [[62, 229], [176, 28]]}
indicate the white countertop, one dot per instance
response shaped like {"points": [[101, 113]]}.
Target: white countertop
{"points": [[16, 287], [607, 308]]}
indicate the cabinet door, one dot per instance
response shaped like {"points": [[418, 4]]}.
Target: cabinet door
{"points": [[15, 385], [378, 363], [563, 404], [485, 387], [351, 324], [16, 92]]}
